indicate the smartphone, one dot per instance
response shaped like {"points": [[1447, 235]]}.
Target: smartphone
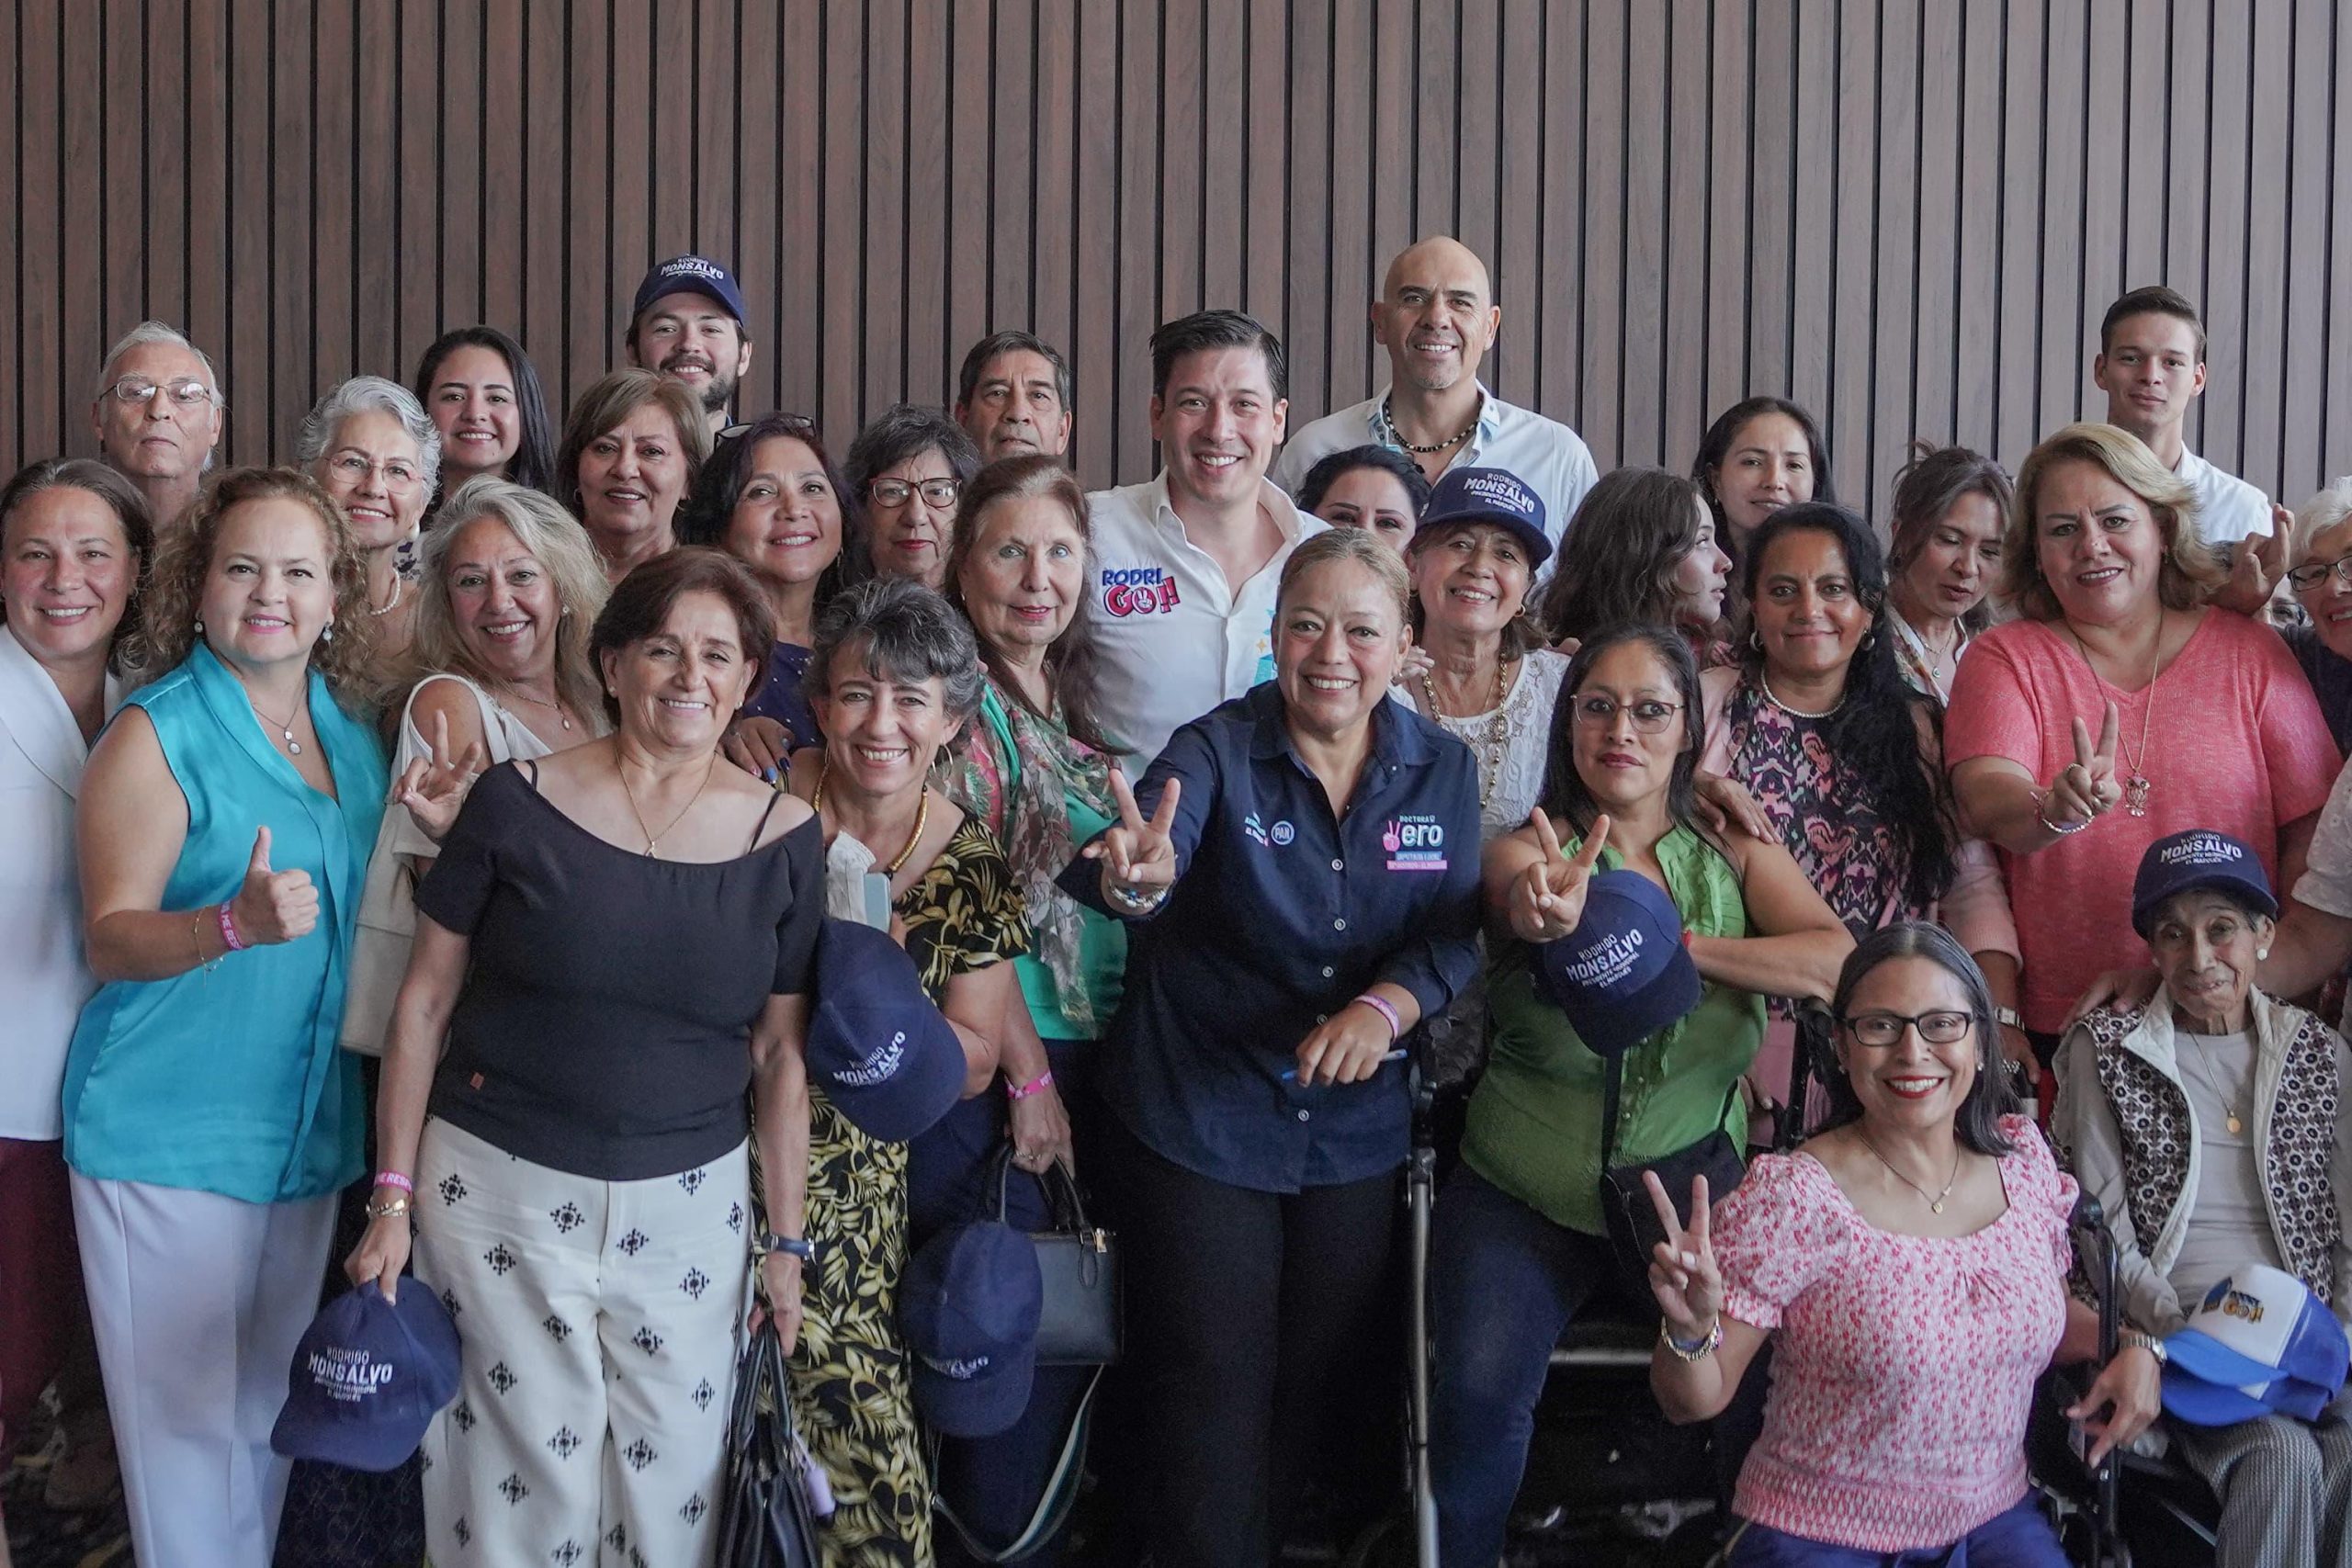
{"points": [[878, 901]]}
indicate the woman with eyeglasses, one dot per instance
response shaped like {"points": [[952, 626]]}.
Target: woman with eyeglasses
{"points": [[369, 445], [1522, 1246], [1909, 1264], [771, 498], [907, 470]]}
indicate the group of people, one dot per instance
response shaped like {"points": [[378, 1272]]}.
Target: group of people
{"points": [[431, 864]]}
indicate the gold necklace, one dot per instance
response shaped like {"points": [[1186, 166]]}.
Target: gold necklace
{"points": [[555, 708], [922, 814], [653, 839], [2208, 1081], [2137, 786], [1488, 748], [1935, 1200]]}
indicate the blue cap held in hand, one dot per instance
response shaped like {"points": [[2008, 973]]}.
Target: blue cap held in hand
{"points": [[878, 1046], [2258, 1344], [969, 1307], [368, 1375], [1622, 974]]}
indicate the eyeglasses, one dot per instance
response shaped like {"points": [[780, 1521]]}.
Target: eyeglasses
{"points": [[1883, 1029], [2310, 574], [894, 493], [1650, 716], [137, 389], [355, 469]]}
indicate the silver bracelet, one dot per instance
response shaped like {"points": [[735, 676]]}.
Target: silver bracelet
{"points": [[2061, 828], [1693, 1350], [1131, 902]]}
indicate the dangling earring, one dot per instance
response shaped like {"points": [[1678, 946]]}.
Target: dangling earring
{"points": [[326, 633], [199, 627]]}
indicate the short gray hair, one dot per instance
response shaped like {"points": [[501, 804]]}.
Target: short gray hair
{"points": [[907, 634], [369, 394], [154, 332], [2324, 509]]}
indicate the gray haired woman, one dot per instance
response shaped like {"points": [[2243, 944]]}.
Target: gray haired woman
{"points": [[894, 675], [908, 469], [370, 445]]}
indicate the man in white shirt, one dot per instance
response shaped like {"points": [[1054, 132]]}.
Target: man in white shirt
{"points": [[1437, 317], [2151, 365], [1185, 568]]}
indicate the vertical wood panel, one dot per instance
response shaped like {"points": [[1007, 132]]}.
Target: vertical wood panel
{"points": [[1909, 215]]}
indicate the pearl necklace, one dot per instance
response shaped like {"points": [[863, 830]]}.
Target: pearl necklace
{"points": [[1764, 683]]}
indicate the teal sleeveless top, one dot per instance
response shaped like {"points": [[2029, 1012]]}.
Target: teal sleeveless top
{"points": [[228, 1079]]}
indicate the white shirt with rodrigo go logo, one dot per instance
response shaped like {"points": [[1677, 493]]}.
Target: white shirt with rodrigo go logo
{"points": [[1176, 638]]}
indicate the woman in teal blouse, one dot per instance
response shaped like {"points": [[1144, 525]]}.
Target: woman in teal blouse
{"points": [[226, 820]]}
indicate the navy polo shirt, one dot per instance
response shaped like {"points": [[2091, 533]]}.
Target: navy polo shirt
{"points": [[1281, 914]]}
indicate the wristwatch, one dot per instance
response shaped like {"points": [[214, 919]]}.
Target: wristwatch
{"points": [[792, 1245], [2132, 1339], [2009, 1017]]}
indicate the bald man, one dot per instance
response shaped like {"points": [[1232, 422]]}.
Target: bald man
{"points": [[1437, 317]]}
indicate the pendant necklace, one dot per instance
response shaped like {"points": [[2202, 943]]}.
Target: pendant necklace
{"points": [[653, 839], [1935, 1200], [2206, 1080], [2136, 784], [1489, 746], [285, 730], [555, 708]]}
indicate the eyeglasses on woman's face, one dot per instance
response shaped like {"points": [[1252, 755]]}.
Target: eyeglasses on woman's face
{"points": [[891, 494], [1880, 1030], [1650, 716]]}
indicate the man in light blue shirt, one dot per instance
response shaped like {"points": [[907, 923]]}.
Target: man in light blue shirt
{"points": [[1437, 317]]}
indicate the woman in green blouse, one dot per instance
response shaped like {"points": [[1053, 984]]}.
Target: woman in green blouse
{"points": [[1522, 1246]]}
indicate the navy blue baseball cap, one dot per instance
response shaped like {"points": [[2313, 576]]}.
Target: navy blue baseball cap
{"points": [[689, 275], [368, 1376], [878, 1045], [2198, 858], [1489, 495], [968, 1306], [1622, 974]]}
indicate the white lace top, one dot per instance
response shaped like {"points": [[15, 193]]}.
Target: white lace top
{"points": [[1509, 743]]}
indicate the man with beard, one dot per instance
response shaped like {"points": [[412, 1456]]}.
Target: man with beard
{"points": [[688, 325], [1437, 317]]}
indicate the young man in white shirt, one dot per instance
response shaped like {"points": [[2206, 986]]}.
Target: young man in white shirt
{"points": [[2151, 365], [1437, 317], [1185, 567]]}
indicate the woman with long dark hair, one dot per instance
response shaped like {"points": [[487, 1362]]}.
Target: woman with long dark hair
{"points": [[1641, 551], [479, 386], [1761, 453], [1818, 723]]}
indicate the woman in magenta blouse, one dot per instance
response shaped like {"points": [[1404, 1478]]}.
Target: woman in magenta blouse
{"points": [[1910, 1262]]}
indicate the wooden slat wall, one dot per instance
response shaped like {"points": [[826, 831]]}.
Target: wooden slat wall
{"points": [[1907, 215]]}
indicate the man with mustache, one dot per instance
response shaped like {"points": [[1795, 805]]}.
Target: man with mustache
{"points": [[1183, 576], [2151, 365], [1013, 397], [157, 417], [1437, 317], [688, 325]]}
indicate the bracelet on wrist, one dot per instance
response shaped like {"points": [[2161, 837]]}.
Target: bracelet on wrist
{"points": [[1381, 1006], [1691, 1349], [2133, 1339], [196, 941], [1134, 901], [229, 930], [387, 1208], [394, 1178], [2041, 814], [770, 1244], [1023, 1091]]}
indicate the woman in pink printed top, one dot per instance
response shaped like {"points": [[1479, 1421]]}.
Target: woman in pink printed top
{"points": [[1910, 1261]]}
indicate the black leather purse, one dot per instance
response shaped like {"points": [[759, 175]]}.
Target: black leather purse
{"points": [[1082, 1324], [766, 1520], [1633, 1228]]}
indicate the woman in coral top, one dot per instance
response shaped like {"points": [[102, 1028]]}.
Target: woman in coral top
{"points": [[1910, 1261]]}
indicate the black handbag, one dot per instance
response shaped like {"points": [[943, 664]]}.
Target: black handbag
{"points": [[1633, 1228], [1081, 1324], [766, 1520]]}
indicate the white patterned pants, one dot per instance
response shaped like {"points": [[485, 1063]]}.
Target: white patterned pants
{"points": [[600, 1322], [2285, 1485]]}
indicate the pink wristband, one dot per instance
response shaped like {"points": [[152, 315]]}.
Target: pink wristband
{"points": [[229, 932], [1380, 1005], [1023, 1091], [394, 1178]]}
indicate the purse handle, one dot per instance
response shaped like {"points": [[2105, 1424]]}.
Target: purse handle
{"points": [[1064, 1205]]}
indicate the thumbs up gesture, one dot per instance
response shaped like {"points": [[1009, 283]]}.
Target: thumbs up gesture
{"points": [[273, 905]]}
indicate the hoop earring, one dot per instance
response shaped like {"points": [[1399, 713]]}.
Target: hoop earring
{"points": [[1756, 639]]}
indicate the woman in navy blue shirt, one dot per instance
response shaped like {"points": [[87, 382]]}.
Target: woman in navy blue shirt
{"points": [[1300, 873]]}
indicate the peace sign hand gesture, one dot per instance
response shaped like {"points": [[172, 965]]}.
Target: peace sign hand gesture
{"points": [[2086, 788], [1547, 901], [1683, 1275], [1138, 857], [434, 786]]}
